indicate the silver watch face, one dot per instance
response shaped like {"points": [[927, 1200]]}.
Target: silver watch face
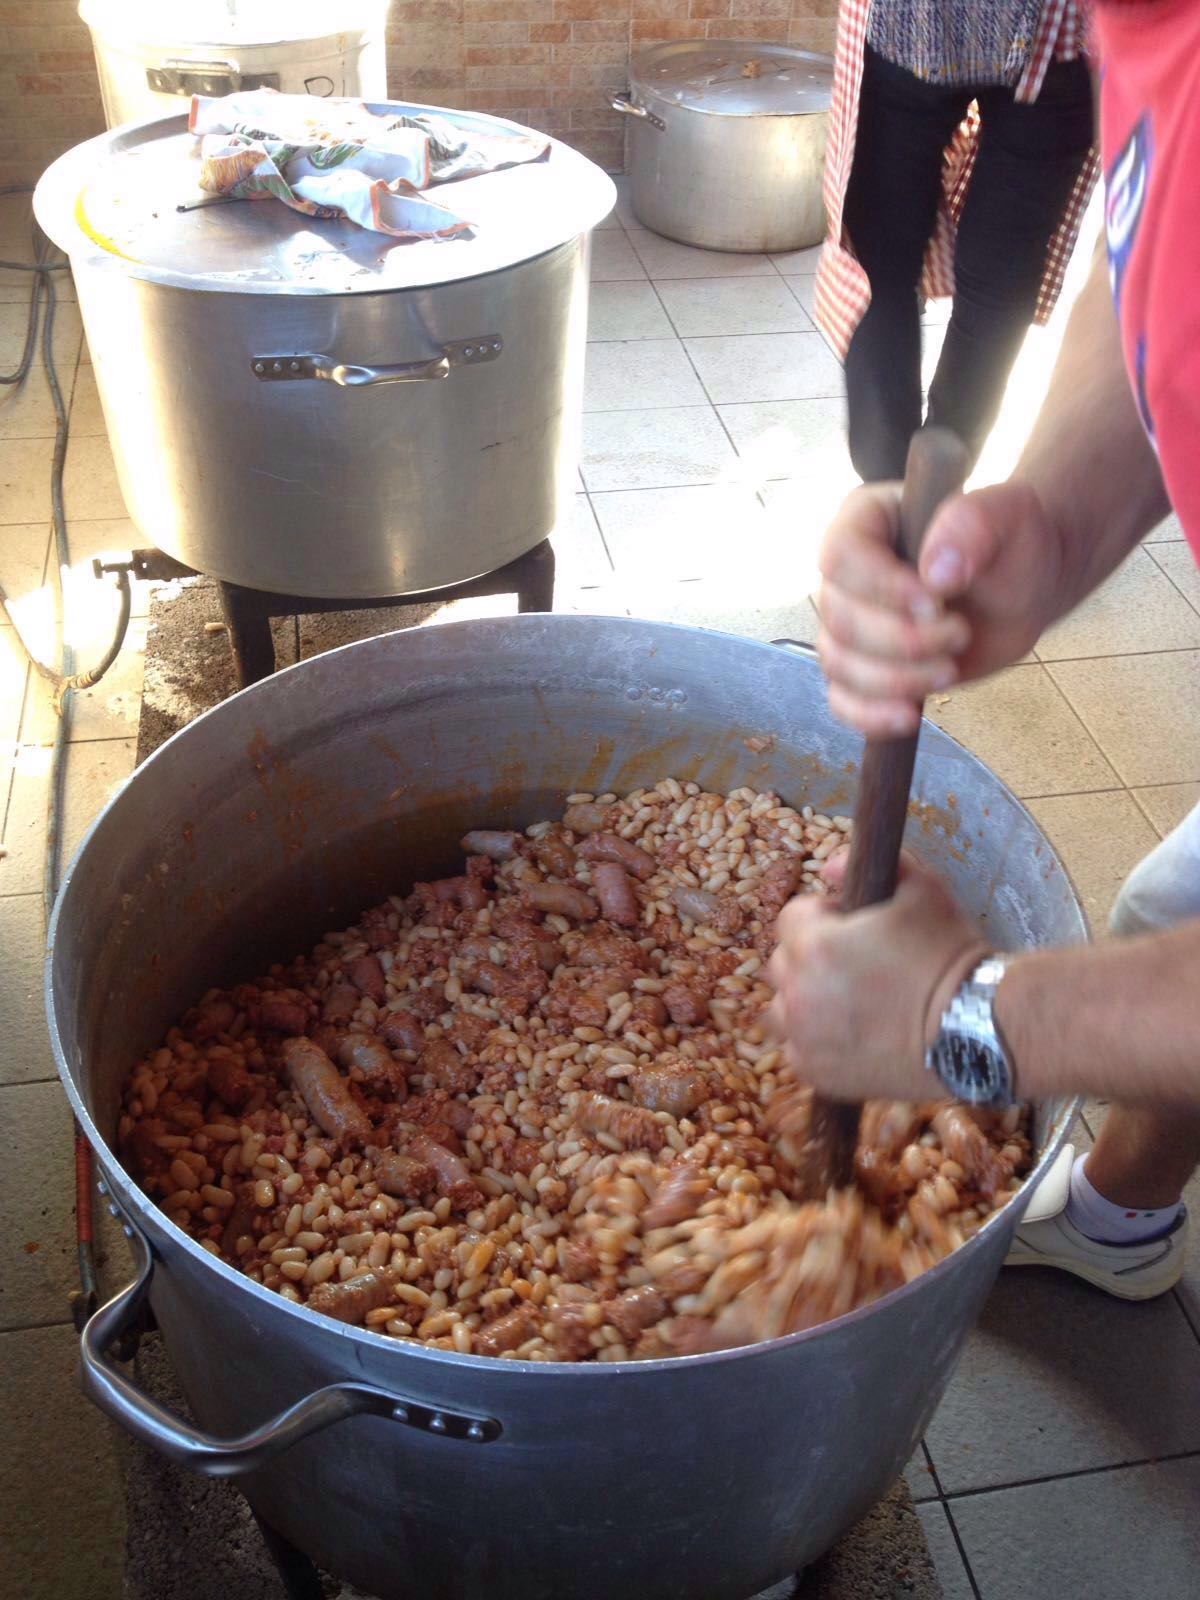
{"points": [[972, 1069]]}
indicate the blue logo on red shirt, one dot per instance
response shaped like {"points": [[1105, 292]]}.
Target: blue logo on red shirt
{"points": [[1125, 197], [1126, 185]]}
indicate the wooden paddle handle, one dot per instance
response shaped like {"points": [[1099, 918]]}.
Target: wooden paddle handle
{"points": [[937, 467]]}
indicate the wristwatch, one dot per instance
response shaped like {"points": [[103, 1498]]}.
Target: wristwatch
{"points": [[969, 1055]]}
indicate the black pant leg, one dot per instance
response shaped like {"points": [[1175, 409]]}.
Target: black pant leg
{"points": [[1029, 158], [904, 125]]}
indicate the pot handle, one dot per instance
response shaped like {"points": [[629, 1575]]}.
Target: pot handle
{"points": [[120, 1399], [350, 375], [798, 645], [621, 100]]}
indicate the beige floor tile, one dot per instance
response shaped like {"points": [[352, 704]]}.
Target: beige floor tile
{"points": [[702, 306], [798, 512], [1101, 838], [664, 258], [38, 1268], [638, 373], [25, 480], [23, 551], [613, 258], [1167, 804], [87, 418], [94, 772], [790, 438], [797, 263], [784, 366], [580, 559], [1168, 531], [665, 534], [625, 311], [68, 330], [24, 780], [805, 290], [26, 1053], [1179, 564], [1019, 724], [1141, 710], [90, 487], [14, 670], [109, 710], [1139, 609], [655, 449], [27, 410], [62, 1532], [14, 285], [707, 603], [932, 339], [592, 600]]}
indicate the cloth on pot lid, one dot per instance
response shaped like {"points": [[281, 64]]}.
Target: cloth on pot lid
{"points": [[335, 158]]}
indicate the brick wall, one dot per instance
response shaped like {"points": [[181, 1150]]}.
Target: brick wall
{"points": [[548, 62], [49, 94], [544, 62]]}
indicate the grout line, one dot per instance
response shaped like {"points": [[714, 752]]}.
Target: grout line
{"points": [[1063, 696], [1120, 655], [941, 1501], [599, 527], [1150, 552], [1137, 802], [35, 1327], [1187, 1316], [1066, 1477]]}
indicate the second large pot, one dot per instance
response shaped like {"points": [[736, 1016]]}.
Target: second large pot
{"points": [[726, 143], [305, 406], [279, 815]]}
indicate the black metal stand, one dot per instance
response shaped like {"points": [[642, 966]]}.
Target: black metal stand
{"points": [[300, 1579], [249, 612]]}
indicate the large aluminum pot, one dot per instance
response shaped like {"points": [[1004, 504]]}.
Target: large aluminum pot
{"points": [[299, 405], [280, 814], [726, 143], [149, 53]]}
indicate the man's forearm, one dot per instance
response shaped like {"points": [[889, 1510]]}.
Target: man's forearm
{"points": [[1088, 457], [1120, 1020]]}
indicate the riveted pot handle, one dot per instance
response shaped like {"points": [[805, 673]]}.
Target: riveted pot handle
{"points": [[620, 100], [120, 1399], [354, 375]]}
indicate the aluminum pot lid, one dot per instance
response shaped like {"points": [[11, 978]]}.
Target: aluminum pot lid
{"points": [[734, 78], [114, 202], [184, 24]]}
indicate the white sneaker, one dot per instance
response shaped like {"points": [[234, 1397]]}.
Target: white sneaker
{"points": [[1046, 1238]]}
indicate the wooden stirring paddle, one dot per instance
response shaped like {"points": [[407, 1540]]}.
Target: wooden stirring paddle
{"points": [[937, 467]]}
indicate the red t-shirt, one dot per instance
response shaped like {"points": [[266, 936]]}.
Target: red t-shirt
{"points": [[1150, 141]]}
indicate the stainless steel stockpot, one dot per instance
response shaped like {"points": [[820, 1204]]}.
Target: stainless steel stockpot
{"points": [[305, 406], [280, 814], [726, 143]]}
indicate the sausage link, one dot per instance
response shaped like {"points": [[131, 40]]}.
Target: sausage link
{"points": [[325, 1092], [611, 847], [614, 890]]}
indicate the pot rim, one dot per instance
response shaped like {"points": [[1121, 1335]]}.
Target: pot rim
{"points": [[139, 1210], [641, 85], [576, 196]]}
